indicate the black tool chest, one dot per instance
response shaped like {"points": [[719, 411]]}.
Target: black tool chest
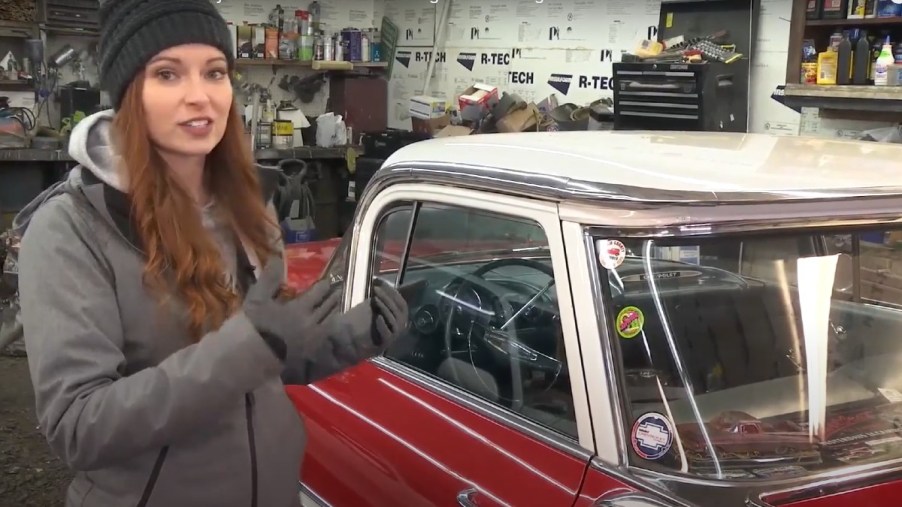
{"points": [[671, 95], [677, 96]]}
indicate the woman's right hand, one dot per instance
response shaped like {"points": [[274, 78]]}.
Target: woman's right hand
{"points": [[299, 322]]}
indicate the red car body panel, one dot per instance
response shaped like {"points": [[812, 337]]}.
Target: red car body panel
{"points": [[306, 261], [377, 439], [599, 485]]}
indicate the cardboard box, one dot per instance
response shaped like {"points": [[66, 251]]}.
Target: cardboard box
{"points": [[480, 94], [454, 131], [521, 120], [430, 126], [427, 107]]}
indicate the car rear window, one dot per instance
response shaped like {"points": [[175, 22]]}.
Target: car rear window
{"points": [[757, 356]]}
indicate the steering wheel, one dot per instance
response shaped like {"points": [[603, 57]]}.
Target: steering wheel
{"points": [[501, 341]]}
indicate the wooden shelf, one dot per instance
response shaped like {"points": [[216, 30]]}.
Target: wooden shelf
{"points": [[854, 22], [259, 62], [847, 101]]}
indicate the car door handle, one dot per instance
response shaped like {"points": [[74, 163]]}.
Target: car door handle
{"points": [[465, 498]]}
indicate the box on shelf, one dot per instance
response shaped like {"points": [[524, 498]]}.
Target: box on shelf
{"points": [[480, 94], [427, 107]]}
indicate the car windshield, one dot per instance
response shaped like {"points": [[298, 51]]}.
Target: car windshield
{"points": [[760, 355]]}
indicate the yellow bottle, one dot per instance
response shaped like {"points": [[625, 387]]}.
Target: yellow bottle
{"points": [[826, 67]]}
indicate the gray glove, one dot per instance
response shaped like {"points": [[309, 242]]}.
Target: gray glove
{"points": [[293, 328], [372, 326]]}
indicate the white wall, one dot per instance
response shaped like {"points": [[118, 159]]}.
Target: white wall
{"points": [[513, 50], [597, 27]]}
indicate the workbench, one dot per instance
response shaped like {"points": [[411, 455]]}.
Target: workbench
{"points": [[25, 172]]}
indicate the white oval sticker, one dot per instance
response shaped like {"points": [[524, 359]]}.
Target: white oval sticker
{"points": [[611, 253]]}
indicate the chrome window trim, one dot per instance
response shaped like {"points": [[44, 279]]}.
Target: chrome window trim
{"points": [[698, 491], [305, 491], [511, 419], [530, 184], [612, 367]]}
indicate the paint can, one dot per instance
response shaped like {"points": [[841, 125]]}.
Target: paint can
{"points": [[264, 135], [282, 134]]}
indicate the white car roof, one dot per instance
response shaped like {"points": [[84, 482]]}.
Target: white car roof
{"points": [[674, 163]]}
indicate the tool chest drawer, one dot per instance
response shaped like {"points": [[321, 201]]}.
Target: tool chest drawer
{"points": [[675, 96]]}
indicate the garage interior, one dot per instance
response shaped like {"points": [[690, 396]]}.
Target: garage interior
{"points": [[331, 88]]}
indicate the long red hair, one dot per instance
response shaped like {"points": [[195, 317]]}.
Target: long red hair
{"points": [[182, 258]]}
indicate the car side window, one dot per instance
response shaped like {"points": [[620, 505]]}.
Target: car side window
{"points": [[483, 306]]}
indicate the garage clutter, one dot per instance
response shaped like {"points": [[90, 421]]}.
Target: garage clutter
{"points": [[483, 109]]}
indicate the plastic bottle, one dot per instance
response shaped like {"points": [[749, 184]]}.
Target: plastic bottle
{"points": [[376, 46], [861, 61], [826, 67], [365, 53], [881, 68], [844, 60]]}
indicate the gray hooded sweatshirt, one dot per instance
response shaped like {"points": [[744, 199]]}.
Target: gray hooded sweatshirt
{"points": [[145, 416]]}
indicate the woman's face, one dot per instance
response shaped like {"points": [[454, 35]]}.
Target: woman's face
{"points": [[187, 98]]}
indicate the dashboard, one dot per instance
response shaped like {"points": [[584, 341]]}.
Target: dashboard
{"points": [[459, 308]]}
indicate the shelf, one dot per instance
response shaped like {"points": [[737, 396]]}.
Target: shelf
{"points": [[854, 22], [17, 29], [259, 62], [886, 100], [70, 32], [19, 84]]}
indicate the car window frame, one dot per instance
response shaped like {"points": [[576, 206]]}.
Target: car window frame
{"points": [[545, 214], [615, 375]]}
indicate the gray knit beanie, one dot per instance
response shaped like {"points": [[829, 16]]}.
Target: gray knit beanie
{"points": [[134, 31]]}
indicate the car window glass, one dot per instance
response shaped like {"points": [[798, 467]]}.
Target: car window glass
{"points": [[389, 241], [757, 355], [484, 314], [337, 268]]}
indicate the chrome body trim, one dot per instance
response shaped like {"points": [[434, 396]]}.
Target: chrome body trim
{"points": [[310, 498], [528, 184], [483, 407], [695, 491]]}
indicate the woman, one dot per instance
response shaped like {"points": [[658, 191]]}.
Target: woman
{"points": [[148, 284]]}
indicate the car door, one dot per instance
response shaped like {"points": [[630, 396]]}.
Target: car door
{"points": [[467, 424]]}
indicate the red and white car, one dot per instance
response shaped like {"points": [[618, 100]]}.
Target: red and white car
{"points": [[614, 319]]}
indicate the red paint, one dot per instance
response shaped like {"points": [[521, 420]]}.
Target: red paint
{"points": [[376, 439], [597, 485], [306, 261]]}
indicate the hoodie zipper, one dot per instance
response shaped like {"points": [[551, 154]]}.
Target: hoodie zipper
{"points": [[154, 475], [252, 444]]}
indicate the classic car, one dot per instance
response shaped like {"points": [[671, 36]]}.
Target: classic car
{"points": [[584, 304], [740, 441]]}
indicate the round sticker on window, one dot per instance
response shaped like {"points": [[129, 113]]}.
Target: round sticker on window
{"points": [[630, 321], [652, 436], [610, 253]]}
